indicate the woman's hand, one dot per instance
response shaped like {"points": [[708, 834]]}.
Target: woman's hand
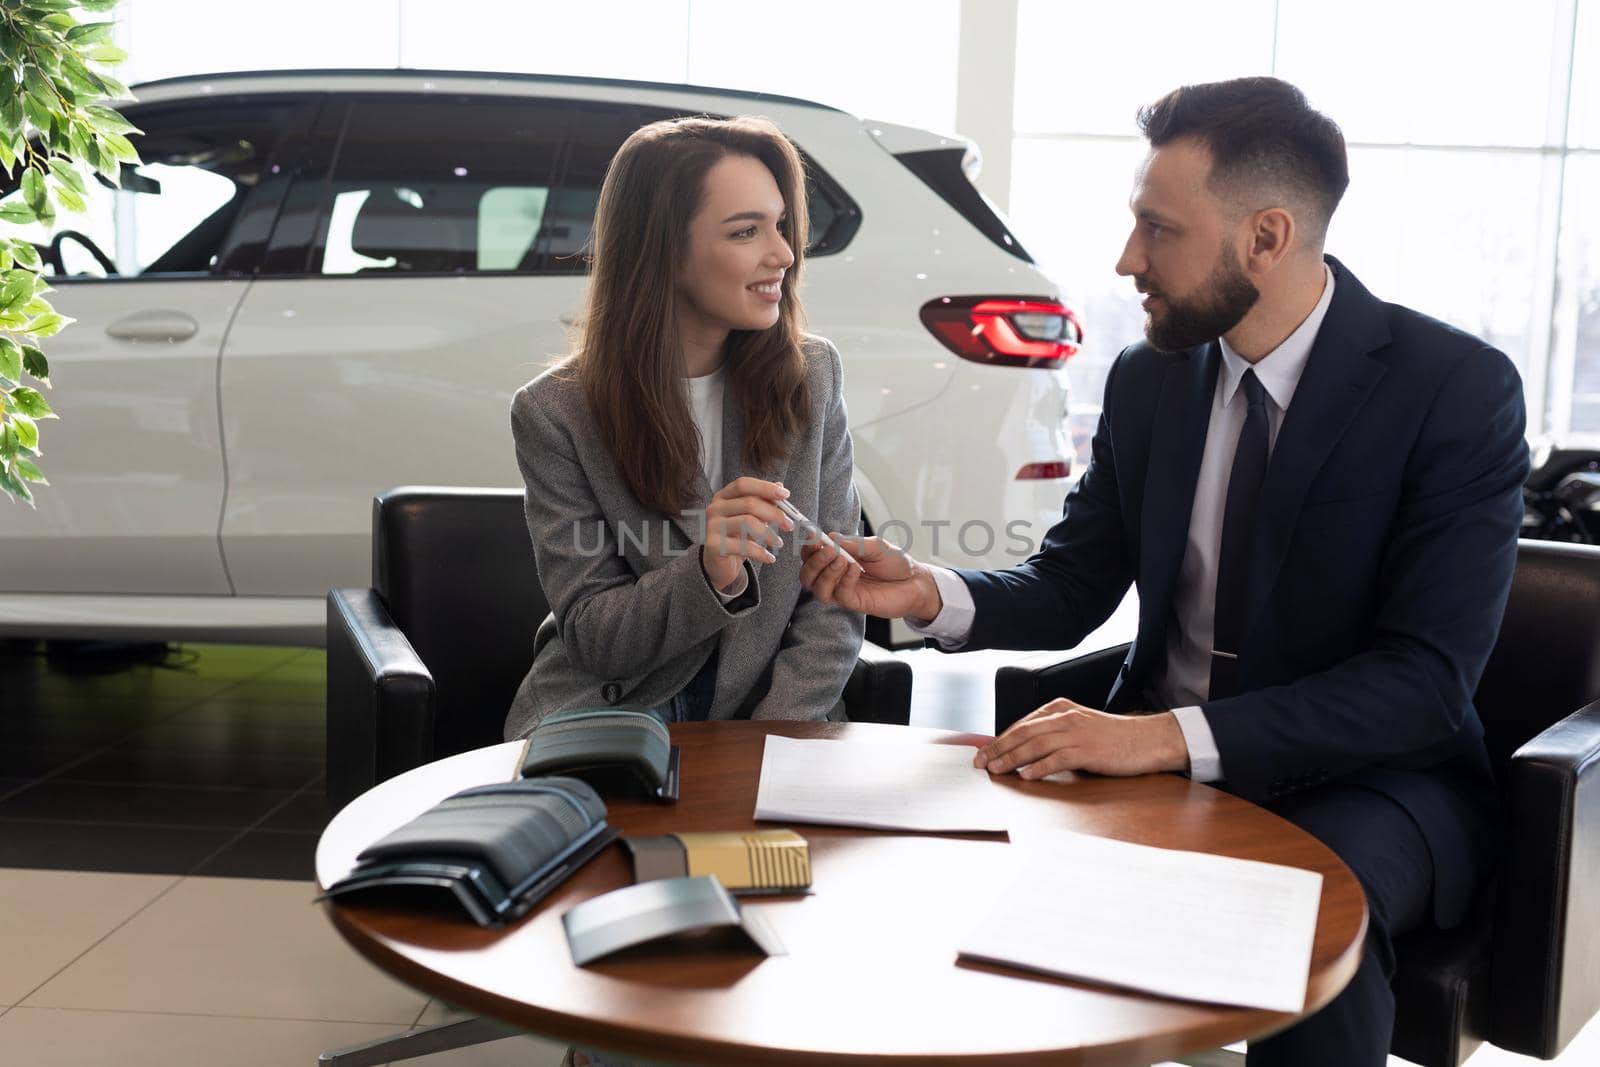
{"points": [[742, 523]]}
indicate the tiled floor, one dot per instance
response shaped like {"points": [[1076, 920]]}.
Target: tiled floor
{"points": [[207, 763], [157, 824]]}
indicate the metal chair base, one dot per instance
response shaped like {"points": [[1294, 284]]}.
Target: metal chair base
{"points": [[414, 1043], [1217, 1057]]}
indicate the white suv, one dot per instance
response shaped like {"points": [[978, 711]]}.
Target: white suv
{"points": [[323, 284]]}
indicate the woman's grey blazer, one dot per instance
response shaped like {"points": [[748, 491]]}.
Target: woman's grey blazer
{"points": [[633, 617]]}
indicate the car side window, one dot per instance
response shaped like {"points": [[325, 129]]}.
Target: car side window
{"points": [[437, 185], [598, 130], [174, 212], [446, 184]]}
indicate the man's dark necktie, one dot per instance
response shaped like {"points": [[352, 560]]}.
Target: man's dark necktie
{"points": [[1238, 520]]}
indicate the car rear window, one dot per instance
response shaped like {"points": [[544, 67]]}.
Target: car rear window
{"points": [[941, 170], [439, 185]]}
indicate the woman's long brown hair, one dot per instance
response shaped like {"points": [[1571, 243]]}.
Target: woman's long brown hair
{"points": [[629, 357]]}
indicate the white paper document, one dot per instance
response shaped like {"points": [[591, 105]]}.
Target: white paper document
{"points": [[881, 786], [1181, 924]]}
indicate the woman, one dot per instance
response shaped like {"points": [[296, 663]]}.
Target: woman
{"points": [[691, 372]]}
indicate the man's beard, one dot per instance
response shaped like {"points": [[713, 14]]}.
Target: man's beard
{"points": [[1220, 305]]}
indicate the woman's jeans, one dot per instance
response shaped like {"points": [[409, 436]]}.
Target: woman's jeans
{"points": [[693, 702]]}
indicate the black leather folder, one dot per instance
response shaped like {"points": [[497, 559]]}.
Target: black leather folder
{"points": [[494, 851], [621, 752]]}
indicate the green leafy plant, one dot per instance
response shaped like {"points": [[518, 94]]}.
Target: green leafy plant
{"points": [[55, 126]]}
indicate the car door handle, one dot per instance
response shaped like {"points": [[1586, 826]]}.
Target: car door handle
{"points": [[154, 326]]}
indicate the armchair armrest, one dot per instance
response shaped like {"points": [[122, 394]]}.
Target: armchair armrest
{"points": [[879, 689], [1546, 972], [1044, 676], [380, 697]]}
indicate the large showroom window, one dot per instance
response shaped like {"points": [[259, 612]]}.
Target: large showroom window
{"points": [[1473, 160], [889, 59]]}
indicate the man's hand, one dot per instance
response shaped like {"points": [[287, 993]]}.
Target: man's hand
{"points": [[1063, 736], [893, 586]]}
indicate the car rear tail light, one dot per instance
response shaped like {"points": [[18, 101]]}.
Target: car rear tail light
{"points": [[1005, 331], [1036, 472]]}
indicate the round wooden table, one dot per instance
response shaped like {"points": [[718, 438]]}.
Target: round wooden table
{"points": [[871, 974]]}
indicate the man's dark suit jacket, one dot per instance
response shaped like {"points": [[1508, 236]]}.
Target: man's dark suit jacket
{"points": [[1381, 562]]}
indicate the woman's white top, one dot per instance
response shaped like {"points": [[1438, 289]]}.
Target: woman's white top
{"points": [[705, 404]]}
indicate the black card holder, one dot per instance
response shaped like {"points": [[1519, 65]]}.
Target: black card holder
{"points": [[492, 852], [620, 752]]}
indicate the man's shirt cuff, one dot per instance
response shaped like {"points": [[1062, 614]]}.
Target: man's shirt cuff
{"points": [[951, 627], [1205, 762]]}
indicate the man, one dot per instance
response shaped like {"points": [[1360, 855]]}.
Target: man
{"points": [[1318, 496]]}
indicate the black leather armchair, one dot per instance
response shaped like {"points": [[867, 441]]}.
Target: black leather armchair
{"points": [[424, 664], [1524, 972]]}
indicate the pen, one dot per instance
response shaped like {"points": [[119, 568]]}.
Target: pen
{"points": [[800, 520]]}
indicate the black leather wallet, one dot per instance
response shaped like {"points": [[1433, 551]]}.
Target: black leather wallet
{"points": [[621, 753], [494, 850]]}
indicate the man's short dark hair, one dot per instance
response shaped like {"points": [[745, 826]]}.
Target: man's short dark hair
{"points": [[1266, 143]]}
